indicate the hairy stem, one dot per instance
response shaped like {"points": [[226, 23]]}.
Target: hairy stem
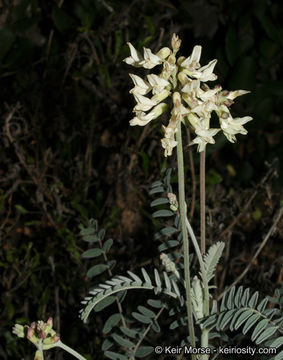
{"points": [[202, 201], [182, 205]]}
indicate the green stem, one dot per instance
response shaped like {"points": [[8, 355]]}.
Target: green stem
{"points": [[204, 342], [70, 350], [182, 205], [39, 348], [202, 201]]}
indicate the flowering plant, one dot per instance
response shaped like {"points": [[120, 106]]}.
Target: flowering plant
{"points": [[183, 81]]}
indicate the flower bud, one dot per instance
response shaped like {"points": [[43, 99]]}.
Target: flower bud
{"points": [[173, 201], [177, 99], [175, 43], [18, 330], [164, 53], [160, 97], [171, 60], [159, 109], [180, 60], [182, 77]]}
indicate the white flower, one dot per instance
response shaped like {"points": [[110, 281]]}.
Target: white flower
{"points": [[135, 59], [192, 62], [150, 60], [144, 103], [232, 127], [169, 142], [168, 145], [204, 109], [157, 83], [205, 73], [233, 94], [204, 137], [142, 118], [141, 87], [209, 94]]}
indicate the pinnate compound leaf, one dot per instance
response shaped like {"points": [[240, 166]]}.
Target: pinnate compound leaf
{"points": [[212, 257]]}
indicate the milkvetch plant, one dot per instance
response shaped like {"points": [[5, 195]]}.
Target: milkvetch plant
{"points": [[180, 90]]}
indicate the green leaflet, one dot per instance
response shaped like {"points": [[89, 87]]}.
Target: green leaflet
{"points": [[112, 321], [143, 351], [96, 270], [104, 303], [92, 253]]}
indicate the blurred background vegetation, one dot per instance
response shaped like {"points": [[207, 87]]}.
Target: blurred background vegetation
{"points": [[67, 153]]}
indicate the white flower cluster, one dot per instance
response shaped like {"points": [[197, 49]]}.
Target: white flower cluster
{"points": [[183, 79]]}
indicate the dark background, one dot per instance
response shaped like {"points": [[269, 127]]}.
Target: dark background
{"points": [[68, 154]]}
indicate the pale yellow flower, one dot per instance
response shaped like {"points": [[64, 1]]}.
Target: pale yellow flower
{"points": [[141, 87], [135, 59], [157, 83], [142, 118]]}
